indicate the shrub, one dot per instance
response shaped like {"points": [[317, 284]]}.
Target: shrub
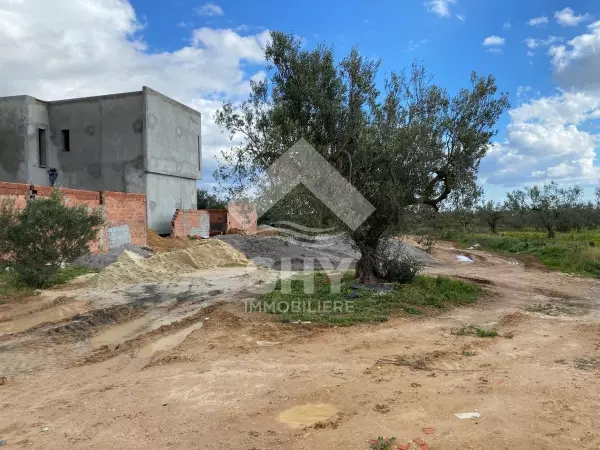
{"points": [[44, 235], [396, 264]]}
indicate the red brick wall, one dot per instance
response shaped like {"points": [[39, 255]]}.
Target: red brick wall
{"points": [[120, 208], [190, 222], [242, 216], [127, 209]]}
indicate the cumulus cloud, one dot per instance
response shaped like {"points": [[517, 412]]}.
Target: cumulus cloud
{"points": [[577, 64], [546, 139], [209, 9], [62, 49], [440, 8], [537, 21], [556, 136], [567, 17], [491, 41]]}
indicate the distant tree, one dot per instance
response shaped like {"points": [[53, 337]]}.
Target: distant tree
{"points": [[462, 204], [412, 144], [491, 212], [549, 203], [206, 200]]}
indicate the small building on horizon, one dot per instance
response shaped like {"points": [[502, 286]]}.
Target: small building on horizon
{"points": [[137, 142]]}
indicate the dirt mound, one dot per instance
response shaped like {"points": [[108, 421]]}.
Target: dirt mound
{"points": [[102, 260], [168, 244], [206, 254]]}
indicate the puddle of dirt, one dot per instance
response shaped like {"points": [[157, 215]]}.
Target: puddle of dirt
{"points": [[56, 314], [122, 332], [167, 342], [306, 415]]}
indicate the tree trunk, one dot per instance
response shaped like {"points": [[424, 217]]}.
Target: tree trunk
{"points": [[366, 267], [493, 228], [551, 233]]}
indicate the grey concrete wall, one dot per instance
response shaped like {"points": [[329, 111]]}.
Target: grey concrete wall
{"points": [[106, 137], [13, 136], [37, 112], [172, 141], [164, 194]]}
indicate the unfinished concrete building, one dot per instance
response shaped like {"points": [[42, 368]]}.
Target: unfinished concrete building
{"points": [[139, 142]]}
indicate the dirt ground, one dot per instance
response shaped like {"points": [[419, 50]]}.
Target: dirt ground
{"points": [[220, 378]]}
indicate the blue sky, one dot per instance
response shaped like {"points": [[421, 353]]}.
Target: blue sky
{"points": [[546, 54]]}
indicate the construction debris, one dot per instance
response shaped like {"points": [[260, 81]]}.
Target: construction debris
{"points": [[205, 254], [468, 415]]}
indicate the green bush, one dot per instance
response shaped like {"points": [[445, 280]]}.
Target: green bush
{"points": [[396, 264], [44, 235]]}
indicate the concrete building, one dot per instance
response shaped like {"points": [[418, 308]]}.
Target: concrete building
{"points": [[139, 142]]}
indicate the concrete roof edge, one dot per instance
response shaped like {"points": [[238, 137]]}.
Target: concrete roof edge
{"points": [[170, 100]]}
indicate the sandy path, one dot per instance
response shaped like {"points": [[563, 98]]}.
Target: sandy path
{"points": [[220, 389]]}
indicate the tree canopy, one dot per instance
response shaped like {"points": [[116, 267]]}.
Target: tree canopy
{"points": [[409, 144]]}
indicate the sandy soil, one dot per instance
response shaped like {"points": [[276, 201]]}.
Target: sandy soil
{"points": [[221, 378]]}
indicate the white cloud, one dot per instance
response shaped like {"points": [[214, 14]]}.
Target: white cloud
{"points": [[547, 139], [556, 136], [535, 43], [62, 49], [506, 26], [414, 45], [440, 7], [577, 64], [567, 18], [461, 17], [494, 50], [209, 9], [493, 41], [537, 21]]}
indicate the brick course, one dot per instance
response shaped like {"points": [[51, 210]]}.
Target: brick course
{"points": [[120, 208]]}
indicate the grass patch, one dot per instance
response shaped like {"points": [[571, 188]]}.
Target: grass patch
{"points": [[476, 331], [10, 289], [353, 306], [63, 276], [577, 253]]}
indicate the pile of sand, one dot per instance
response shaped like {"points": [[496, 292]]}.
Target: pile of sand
{"points": [[160, 244], [205, 254]]}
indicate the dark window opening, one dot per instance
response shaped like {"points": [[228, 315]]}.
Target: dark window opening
{"points": [[66, 140], [42, 154]]}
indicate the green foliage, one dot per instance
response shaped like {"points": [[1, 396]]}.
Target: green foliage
{"points": [[11, 287], [66, 274], [476, 331], [485, 333], [45, 235], [549, 203], [396, 265], [383, 443], [410, 144], [369, 307], [567, 252], [206, 200]]}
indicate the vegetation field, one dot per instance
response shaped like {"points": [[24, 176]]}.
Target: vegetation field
{"points": [[572, 252], [351, 306]]}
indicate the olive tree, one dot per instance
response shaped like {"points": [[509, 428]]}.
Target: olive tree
{"points": [[548, 203], [491, 212], [409, 144]]}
